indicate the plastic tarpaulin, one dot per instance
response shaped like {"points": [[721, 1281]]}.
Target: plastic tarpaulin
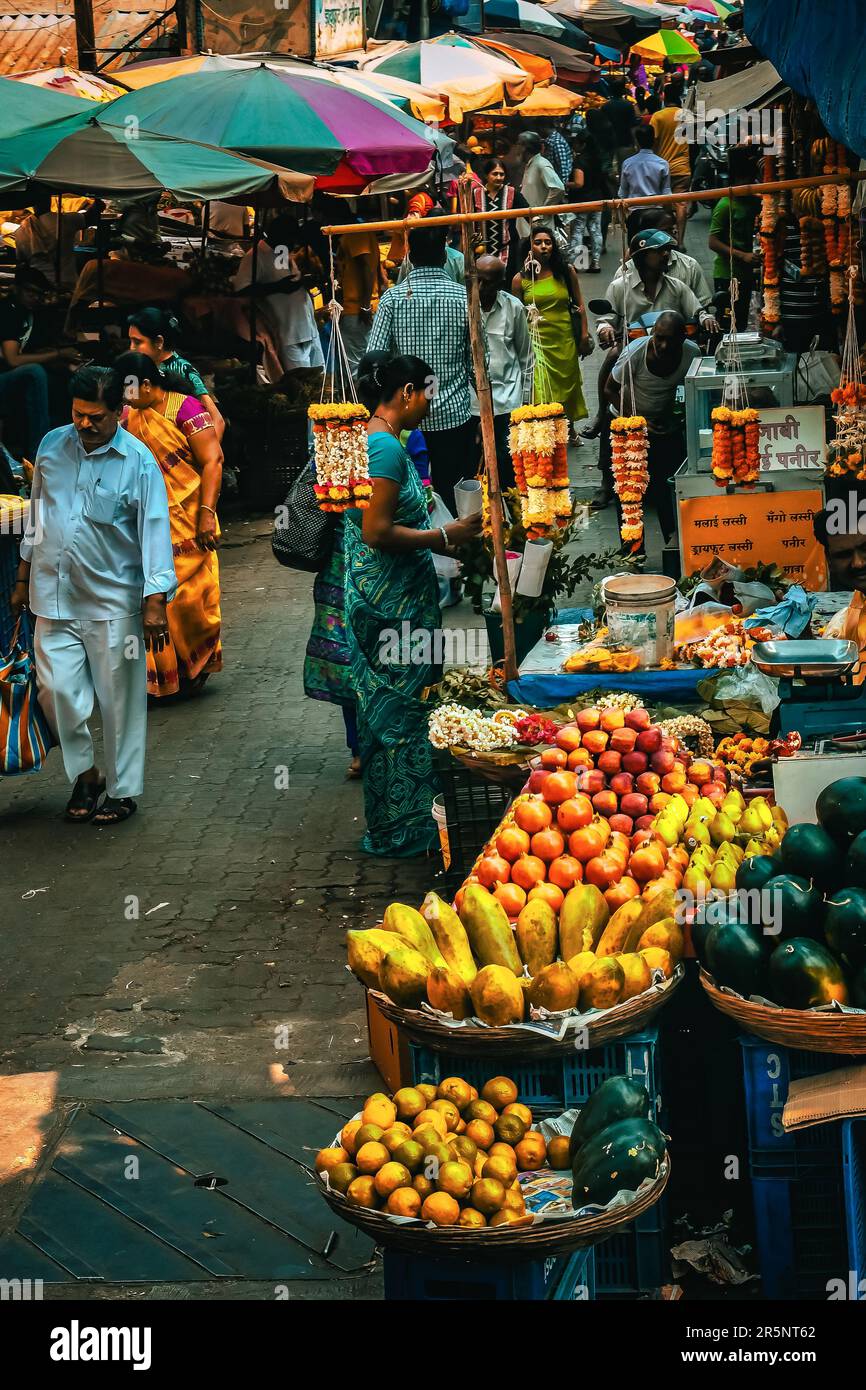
{"points": [[817, 49]]}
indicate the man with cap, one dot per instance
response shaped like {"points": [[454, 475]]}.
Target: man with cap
{"points": [[647, 287]]}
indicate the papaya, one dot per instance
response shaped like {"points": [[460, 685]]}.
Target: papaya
{"points": [[536, 935], [616, 936], [602, 985], [665, 934], [803, 973], [409, 924], [841, 809], [488, 929], [403, 975], [617, 1098], [638, 976], [630, 1154], [845, 924], [659, 902], [736, 958], [450, 936], [447, 991], [497, 996], [365, 950], [582, 919], [580, 963], [554, 988], [657, 959], [807, 850]]}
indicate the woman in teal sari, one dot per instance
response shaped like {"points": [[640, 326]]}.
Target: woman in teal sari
{"points": [[392, 613]]}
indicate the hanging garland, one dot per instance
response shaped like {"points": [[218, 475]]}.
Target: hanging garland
{"points": [[340, 452], [538, 439], [848, 450], [629, 441], [771, 210], [736, 446]]}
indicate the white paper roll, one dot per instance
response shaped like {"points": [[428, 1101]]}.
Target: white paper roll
{"points": [[513, 561], [536, 558], [467, 497]]}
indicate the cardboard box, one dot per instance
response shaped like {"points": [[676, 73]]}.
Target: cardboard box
{"points": [[389, 1050]]}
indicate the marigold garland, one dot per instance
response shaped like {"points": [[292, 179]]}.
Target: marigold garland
{"points": [[340, 453], [538, 439], [736, 447], [629, 442]]}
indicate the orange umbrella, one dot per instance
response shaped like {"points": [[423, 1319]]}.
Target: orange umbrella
{"points": [[541, 68]]}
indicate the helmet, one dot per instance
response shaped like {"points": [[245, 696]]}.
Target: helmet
{"points": [[652, 240]]}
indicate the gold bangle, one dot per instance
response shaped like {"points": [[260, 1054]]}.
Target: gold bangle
{"points": [[204, 508]]}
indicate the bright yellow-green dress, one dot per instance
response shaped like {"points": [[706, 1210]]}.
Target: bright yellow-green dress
{"points": [[557, 366]]}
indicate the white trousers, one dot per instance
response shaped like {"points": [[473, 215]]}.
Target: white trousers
{"points": [[79, 659]]}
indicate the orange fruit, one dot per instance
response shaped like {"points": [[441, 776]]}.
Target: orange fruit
{"points": [[514, 1201], [533, 815], [471, 1218], [370, 1157], [557, 1151], [423, 1186], [340, 1177], [441, 1209], [509, 1129], [493, 869], [367, 1134], [479, 1110], [512, 897], [455, 1089], [434, 1118], [548, 893], [409, 1102], [528, 870], [427, 1134], [488, 1195], [464, 1148], [326, 1159], [379, 1110], [499, 1091], [455, 1178], [511, 843], [410, 1154], [515, 1108], [547, 844], [404, 1201], [395, 1136], [501, 1168], [449, 1112], [507, 1217], [361, 1193], [391, 1176], [481, 1133], [500, 1150], [347, 1136], [427, 1091], [531, 1152]]}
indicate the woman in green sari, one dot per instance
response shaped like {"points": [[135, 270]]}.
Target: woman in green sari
{"points": [[392, 613]]}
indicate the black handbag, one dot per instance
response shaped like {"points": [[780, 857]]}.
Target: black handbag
{"points": [[303, 534]]}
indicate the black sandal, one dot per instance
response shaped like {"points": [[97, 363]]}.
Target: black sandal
{"points": [[115, 809], [85, 799]]}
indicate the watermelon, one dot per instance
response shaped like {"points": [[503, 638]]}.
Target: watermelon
{"points": [[735, 957], [854, 873], [809, 852], [841, 809], [754, 871], [845, 924], [791, 906], [858, 988], [803, 974]]}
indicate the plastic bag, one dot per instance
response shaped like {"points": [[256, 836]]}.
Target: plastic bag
{"points": [[818, 373], [792, 616], [446, 567], [744, 685]]}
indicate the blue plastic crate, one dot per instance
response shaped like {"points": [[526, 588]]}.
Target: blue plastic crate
{"points": [[559, 1278], [768, 1071], [638, 1260], [549, 1085], [854, 1178], [800, 1233]]}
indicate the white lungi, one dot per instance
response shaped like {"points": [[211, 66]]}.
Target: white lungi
{"points": [[79, 659]]}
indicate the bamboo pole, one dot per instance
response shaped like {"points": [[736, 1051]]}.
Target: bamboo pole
{"points": [[488, 438], [743, 190]]}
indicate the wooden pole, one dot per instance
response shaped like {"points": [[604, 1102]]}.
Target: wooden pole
{"points": [[254, 271], [706, 195], [85, 35], [488, 437]]}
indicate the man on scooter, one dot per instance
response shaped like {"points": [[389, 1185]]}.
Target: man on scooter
{"points": [[648, 287]]}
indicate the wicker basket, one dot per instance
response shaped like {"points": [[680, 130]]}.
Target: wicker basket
{"points": [[549, 1237], [618, 1022], [798, 1028]]}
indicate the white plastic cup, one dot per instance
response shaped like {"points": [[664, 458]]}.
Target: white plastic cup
{"points": [[467, 497], [513, 562], [536, 558]]}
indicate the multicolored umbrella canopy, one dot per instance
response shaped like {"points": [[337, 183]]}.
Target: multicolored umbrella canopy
{"points": [[471, 78], [88, 154], [301, 122], [714, 9], [75, 83], [544, 58], [522, 14], [22, 107], [163, 69], [613, 22], [668, 43]]}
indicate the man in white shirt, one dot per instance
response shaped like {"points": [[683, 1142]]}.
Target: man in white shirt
{"points": [[509, 356], [281, 292], [541, 187], [97, 570]]}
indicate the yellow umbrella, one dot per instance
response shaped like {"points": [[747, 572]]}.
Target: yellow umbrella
{"points": [[163, 69], [546, 101]]}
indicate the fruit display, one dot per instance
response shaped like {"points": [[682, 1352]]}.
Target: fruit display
{"points": [[716, 833], [794, 933], [741, 753], [448, 1155]]}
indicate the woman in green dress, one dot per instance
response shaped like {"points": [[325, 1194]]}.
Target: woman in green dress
{"points": [[553, 289], [392, 618]]}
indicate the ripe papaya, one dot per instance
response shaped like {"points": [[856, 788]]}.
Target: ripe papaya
{"points": [[450, 936], [554, 988], [409, 924], [447, 991], [488, 929], [580, 963], [615, 938], [536, 935], [497, 997], [582, 919], [403, 975], [365, 950], [665, 934], [638, 976], [602, 985]]}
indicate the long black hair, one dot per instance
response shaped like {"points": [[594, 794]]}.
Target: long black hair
{"points": [[156, 323], [380, 376], [556, 263], [137, 366]]}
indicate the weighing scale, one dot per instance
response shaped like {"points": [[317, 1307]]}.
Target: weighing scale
{"points": [[818, 696]]}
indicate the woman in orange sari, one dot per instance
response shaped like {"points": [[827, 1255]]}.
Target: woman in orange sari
{"points": [[181, 436]]}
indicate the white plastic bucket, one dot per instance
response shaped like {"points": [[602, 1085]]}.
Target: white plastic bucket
{"points": [[640, 613], [438, 809]]}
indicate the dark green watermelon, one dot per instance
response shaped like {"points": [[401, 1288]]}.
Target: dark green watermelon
{"points": [[803, 974], [756, 870], [841, 809], [854, 872], [631, 1152], [858, 988], [617, 1098], [735, 957], [791, 906], [845, 924], [809, 852]]}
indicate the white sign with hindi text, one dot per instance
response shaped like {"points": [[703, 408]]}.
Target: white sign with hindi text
{"points": [[792, 437]]}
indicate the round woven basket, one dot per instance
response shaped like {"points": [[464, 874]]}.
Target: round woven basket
{"points": [[616, 1023], [799, 1028], [549, 1237]]}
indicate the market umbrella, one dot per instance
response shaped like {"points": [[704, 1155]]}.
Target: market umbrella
{"points": [[712, 9], [305, 123], [88, 154], [75, 83], [144, 74], [522, 14], [22, 107], [553, 101], [544, 58], [470, 77], [612, 22], [668, 43]]}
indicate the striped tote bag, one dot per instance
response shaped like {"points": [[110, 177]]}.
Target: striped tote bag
{"points": [[25, 737]]}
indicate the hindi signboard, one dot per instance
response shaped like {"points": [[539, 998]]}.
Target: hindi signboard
{"points": [[339, 27], [745, 528], [792, 438]]}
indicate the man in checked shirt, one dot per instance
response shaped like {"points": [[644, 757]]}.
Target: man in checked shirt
{"points": [[426, 316]]}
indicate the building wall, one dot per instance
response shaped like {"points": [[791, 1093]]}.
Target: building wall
{"points": [[239, 26]]}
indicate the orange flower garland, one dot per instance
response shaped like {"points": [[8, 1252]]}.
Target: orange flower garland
{"points": [[771, 206], [848, 450], [629, 460], [538, 440], [736, 447], [340, 452]]}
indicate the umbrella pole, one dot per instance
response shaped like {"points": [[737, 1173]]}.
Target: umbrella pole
{"points": [[488, 437], [58, 251], [253, 313]]}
